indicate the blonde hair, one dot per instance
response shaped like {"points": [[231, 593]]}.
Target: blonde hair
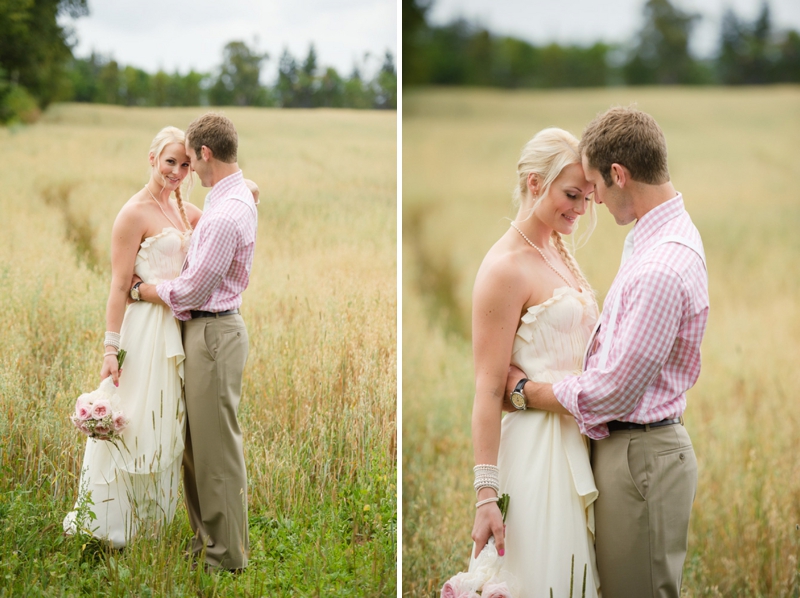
{"points": [[547, 154], [165, 137]]}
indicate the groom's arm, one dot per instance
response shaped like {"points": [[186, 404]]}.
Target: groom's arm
{"points": [[538, 395], [147, 292]]}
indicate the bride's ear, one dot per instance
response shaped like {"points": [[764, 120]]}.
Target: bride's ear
{"points": [[533, 184]]}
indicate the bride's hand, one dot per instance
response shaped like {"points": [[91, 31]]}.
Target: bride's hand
{"points": [[110, 368], [253, 189], [488, 523]]}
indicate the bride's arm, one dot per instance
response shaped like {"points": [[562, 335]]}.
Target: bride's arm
{"points": [[126, 236], [498, 299]]}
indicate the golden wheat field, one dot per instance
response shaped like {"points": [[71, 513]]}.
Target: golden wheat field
{"points": [[733, 156], [319, 402]]}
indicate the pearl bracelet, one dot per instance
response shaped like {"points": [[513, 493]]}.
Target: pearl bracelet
{"points": [[112, 339], [107, 353], [487, 476], [486, 501]]}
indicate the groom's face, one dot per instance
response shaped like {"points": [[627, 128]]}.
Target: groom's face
{"points": [[198, 164], [614, 198]]}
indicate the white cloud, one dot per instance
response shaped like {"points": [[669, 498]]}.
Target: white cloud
{"points": [[181, 35]]}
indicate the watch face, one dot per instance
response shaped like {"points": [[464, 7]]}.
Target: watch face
{"points": [[518, 400], [135, 294]]}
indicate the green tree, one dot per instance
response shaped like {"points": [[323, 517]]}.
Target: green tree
{"points": [[788, 67], [307, 81], [415, 34], [135, 87], [238, 82], [34, 47], [109, 83], [356, 93], [331, 89], [158, 88], [286, 86], [749, 54], [83, 75], [385, 84], [661, 55], [189, 88]]}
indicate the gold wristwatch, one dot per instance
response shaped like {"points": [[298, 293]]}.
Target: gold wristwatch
{"points": [[135, 291], [517, 396]]}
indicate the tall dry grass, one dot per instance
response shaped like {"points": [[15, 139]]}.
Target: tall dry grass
{"points": [[319, 403], [732, 155]]}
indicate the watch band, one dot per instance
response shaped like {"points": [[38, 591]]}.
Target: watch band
{"points": [[518, 391], [134, 293]]}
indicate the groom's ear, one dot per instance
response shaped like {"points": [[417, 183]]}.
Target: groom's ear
{"points": [[206, 153], [620, 175]]}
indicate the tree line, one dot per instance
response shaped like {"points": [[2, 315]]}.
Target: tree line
{"points": [[37, 67], [463, 53], [299, 84]]}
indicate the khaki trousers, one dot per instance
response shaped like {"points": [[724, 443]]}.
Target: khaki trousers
{"points": [[647, 482], [214, 476]]}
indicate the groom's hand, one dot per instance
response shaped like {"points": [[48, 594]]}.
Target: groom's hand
{"points": [[514, 376]]}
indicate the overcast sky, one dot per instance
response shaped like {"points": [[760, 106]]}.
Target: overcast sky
{"points": [[182, 35], [583, 22]]}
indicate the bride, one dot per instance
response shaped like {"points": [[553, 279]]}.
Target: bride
{"points": [[132, 486], [533, 308]]}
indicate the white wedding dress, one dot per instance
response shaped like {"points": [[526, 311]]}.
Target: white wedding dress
{"points": [[133, 486], [544, 459]]}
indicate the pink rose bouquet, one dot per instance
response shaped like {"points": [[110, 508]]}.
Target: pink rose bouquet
{"points": [[486, 577], [98, 414]]}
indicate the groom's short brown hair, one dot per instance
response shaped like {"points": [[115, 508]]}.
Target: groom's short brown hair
{"points": [[217, 133], [630, 137]]}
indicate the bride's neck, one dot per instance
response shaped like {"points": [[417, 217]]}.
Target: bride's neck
{"points": [[538, 232], [158, 191]]}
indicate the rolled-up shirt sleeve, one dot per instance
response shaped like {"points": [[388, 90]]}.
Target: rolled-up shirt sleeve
{"points": [[647, 327], [211, 257]]}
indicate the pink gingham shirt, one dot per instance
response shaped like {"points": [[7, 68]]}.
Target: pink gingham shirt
{"points": [[218, 264], [654, 356]]}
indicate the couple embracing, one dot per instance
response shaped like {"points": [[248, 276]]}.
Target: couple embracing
{"points": [[181, 277], [593, 452]]}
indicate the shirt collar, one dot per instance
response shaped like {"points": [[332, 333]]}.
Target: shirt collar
{"points": [[222, 187], [646, 227]]}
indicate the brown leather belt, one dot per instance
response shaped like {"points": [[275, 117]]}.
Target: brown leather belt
{"points": [[617, 425], [211, 314]]}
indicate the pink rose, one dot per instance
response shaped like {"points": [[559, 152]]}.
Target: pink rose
{"points": [[448, 590], [101, 430], [456, 588], [120, 421], [83, 407], [101, 409], [495, 590]]}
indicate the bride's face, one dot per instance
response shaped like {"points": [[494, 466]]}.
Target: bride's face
{"points": [[172, 166], [567, 199]]}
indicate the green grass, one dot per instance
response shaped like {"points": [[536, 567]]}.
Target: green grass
{"points": [[319, 400], [732, 155]]}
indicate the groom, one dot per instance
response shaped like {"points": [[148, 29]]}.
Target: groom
{"points": [[641, 360], [206, 297]]}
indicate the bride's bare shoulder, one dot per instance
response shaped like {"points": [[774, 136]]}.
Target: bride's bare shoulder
{"points": [[502, 262], [133, 213]]}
